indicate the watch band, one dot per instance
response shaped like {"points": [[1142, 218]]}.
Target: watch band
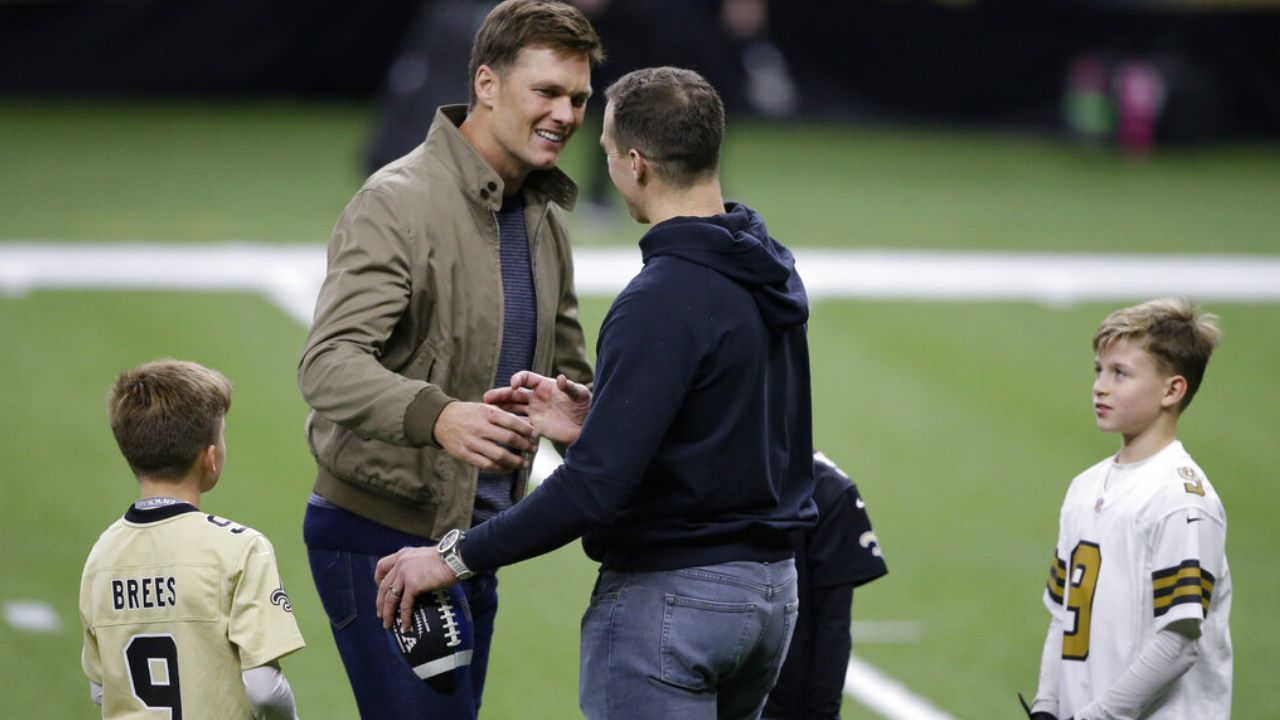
{"points": [[448, 549]]}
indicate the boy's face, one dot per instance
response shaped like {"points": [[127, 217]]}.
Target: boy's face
{"points": [[1129, 391]]}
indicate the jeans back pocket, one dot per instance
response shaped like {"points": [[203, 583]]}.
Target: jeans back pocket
{"points": [[703, 640]]}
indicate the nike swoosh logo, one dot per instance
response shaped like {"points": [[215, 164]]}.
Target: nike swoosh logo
{"points": [[1191, 520]]}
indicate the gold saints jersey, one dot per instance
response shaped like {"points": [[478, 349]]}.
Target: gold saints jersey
{"points": [[174, 604], [1140, 546]]}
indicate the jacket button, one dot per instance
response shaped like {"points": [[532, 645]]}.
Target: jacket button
{"points": [[492, 186], [484, 193]]}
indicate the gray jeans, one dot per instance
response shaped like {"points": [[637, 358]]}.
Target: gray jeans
{"points": [[701, 642]]}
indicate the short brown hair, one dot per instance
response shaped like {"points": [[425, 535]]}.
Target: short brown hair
{"points": [[517, 24], [672, 117], [1173, 330], [165, 413]]}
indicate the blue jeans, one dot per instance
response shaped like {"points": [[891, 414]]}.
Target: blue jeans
{"points": [[701, 642], [383, 683]]}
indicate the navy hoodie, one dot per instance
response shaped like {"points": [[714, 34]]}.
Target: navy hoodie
{"points": [[698, 447]]}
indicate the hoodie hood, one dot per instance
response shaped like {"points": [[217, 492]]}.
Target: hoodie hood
{"points": [[736, 244]]}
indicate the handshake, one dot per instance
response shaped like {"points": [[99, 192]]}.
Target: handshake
{"points": [[501, 434], [488, 435]]}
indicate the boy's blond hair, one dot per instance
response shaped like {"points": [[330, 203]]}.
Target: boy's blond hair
{"points": [[165, 413], [1173, 330]]}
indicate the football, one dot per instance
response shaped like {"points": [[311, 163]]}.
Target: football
{"points": [[441, 639]]}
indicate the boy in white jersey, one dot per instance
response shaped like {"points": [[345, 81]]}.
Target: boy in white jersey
{"points": [[1139, 592], [183, 612]]}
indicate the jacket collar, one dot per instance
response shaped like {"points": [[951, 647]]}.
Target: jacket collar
{"points": [[446, 143]]}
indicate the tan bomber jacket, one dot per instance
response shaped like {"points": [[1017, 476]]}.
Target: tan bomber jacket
{"points": [[409, 318]]}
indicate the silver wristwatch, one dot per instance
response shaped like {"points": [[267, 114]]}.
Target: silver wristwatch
{"points": [[448, 549]]}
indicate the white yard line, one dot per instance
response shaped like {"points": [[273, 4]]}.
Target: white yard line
{"points": [[1050, 278], [290, 275], [887, 696], [32, 616], [866, 632]]}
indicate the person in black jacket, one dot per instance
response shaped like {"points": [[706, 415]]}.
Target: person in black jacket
{"points": [[693, 465], [833, 557]]}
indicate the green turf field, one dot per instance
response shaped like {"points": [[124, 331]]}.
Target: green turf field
{"points": [[961, 422]]}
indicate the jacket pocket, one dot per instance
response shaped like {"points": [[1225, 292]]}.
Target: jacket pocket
{"points": [[393, 470], [422, 363]]}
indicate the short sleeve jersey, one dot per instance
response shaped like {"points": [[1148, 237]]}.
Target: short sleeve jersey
{"points": [[842, 548], [174, 604], [1140, 546]]}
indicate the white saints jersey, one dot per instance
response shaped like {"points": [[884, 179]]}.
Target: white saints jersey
{"points": [[1140, 546], [174, 604]]}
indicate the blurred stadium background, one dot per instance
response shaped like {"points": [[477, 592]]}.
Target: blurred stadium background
{"points": [[1108, 127]]}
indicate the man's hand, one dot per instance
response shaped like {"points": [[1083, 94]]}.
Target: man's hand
{"points": [[404, 576], [556, 407], [485, 436]]}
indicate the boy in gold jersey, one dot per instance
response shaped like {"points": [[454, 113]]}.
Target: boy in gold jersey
{"points": [[182, 611]]}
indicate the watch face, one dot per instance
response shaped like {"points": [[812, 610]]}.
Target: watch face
{"points": [[449, 540]]}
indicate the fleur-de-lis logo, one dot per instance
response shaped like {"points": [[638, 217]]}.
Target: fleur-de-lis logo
{"points": [[869, 540], [281, 598]]}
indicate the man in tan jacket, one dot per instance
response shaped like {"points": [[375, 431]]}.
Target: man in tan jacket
{"points": [[449, 271]]}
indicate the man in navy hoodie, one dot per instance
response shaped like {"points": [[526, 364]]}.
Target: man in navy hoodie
{"points": [[693, 464]]}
